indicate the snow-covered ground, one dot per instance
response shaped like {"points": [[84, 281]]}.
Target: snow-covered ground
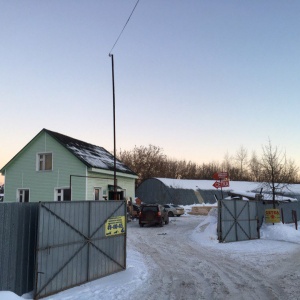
{"points": [[278, 243]]}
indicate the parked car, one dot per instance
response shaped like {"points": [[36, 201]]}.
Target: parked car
{"points": [[180, 210], [174, 210], [154, 214]]}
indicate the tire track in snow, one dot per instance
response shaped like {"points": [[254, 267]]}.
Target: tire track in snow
{"points": [[179, 268]]}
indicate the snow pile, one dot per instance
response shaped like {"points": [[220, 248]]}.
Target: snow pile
{"points": [[206, 231], [274, 239], [280, 232], [9, 296], [111, 287]]}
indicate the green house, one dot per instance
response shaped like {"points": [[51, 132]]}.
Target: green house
{"points": [[56, 167]]}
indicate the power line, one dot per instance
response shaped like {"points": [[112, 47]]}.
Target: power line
{"points": [[123, 27]]}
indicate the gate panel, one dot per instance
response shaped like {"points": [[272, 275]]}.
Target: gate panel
{"points": [[237, 220], [72, 246], [108, 251]]}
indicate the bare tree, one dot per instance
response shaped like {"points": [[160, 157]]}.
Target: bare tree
{"points": [[206, 171], [226, 164], [241, 157], [254, 168], [147, 162], [150, 161], [277, 171]]}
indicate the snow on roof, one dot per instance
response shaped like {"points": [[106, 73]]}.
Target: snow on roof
{"points": [[91, 155], [245, 186], [266, 197], [207, 184]]}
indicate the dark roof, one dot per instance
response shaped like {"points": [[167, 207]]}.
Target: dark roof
{"points": [[91, 155]]}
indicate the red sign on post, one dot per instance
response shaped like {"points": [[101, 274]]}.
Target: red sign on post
{"points": [[220, 175], [221, 183]]}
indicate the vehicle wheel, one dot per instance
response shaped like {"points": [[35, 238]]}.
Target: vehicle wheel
{"points": [[141, 225], [170, 214], [167, 221], [178, 215], [161, 224]]}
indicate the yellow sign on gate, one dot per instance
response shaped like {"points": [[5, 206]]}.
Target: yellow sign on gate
{"points": [[115, 225], [272, 216]]}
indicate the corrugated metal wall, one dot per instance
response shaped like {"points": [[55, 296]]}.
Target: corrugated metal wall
{"points": [[153, 191], [18, 230], [286, 209], [209, 196], [48, 247]]}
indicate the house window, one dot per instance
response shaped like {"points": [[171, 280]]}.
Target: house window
{"points": [[98, 193], [23, 195], [63, 194], [44, 162]]}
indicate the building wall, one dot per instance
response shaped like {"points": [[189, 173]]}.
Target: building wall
{"points": [[22, 173], [104, 180]]}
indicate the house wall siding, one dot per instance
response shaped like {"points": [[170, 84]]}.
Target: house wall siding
{"points": [[22, 172], [129, 185], [103, 180]]}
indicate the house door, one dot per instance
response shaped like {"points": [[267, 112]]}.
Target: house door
{"points": [[98, 193]]}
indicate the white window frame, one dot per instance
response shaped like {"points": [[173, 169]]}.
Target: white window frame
{"points": [[59, 192], [41, 161], [100, 194], [21, 194]]}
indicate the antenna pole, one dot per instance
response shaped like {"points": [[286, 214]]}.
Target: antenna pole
{"points": [[114, 122]]}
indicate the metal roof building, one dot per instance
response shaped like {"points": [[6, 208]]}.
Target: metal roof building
{"points": [[186, 191]]}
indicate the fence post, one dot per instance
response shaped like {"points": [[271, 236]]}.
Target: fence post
{"points": [[219, 221], [294, 216], [257, 228], [282, 217]]}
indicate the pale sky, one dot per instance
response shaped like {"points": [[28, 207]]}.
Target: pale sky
{"points": [[196, 78]]}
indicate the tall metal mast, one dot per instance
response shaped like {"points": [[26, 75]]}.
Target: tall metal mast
{"points": [[114, 122]]}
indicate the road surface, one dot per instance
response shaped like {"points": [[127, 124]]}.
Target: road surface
{"points": [[180, 268]]}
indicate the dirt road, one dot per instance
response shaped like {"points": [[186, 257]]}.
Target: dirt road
{"points": [[180, 268]]}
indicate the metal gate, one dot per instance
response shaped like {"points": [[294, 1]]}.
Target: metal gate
{"points": [[78, 242], [237, 220]]}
